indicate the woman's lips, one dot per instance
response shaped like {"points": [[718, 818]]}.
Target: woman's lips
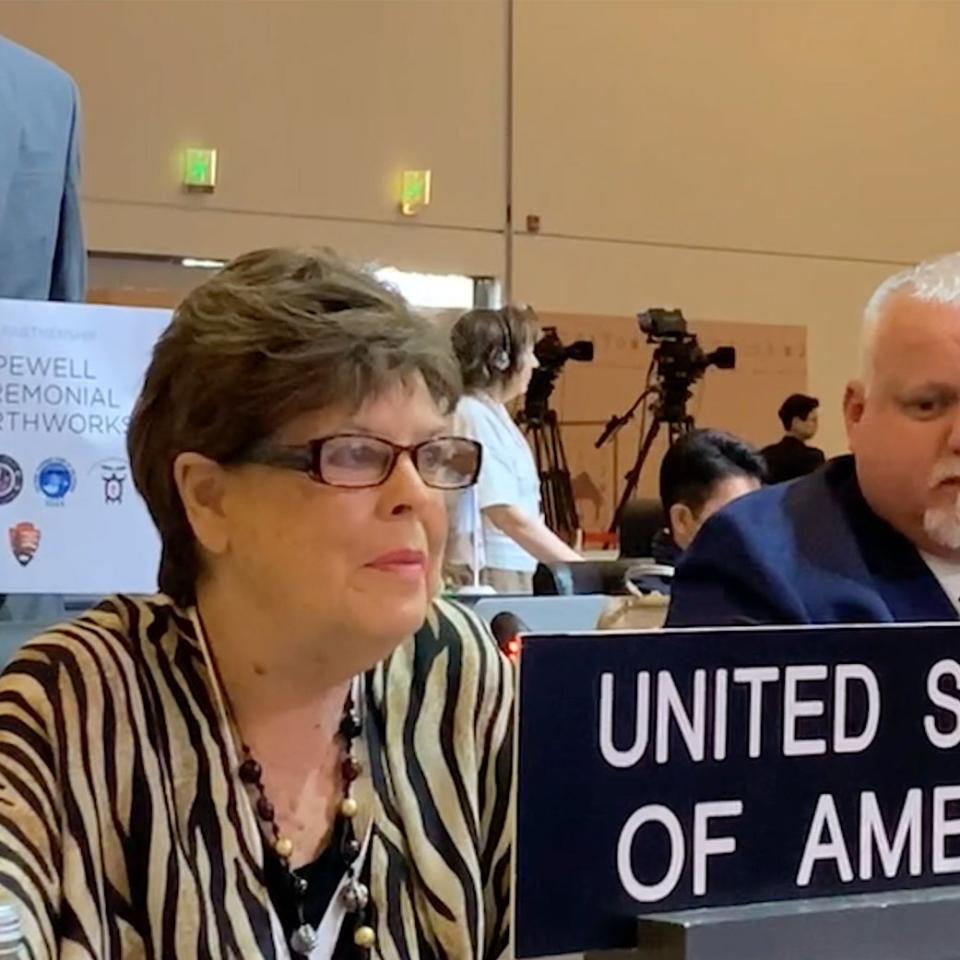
{"points": [[411, 564]]}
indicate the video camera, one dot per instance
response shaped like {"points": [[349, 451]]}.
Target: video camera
{"points": [[680, 360], [552, 354]]}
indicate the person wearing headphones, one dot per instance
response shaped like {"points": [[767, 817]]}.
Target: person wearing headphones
{"points": [[497, 526]]}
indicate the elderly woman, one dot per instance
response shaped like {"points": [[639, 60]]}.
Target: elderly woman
{"points": [[264, 760]]}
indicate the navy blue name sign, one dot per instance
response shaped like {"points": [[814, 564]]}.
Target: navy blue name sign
{"points": [[688, 769]]}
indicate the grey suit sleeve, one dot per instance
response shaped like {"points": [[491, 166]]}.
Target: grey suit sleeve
{"points": [[69, 279]]}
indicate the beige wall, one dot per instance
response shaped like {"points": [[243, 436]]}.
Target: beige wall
{"points": [[761, 162], [796, 127], [825, 296], [315, 108], [747, 161]]}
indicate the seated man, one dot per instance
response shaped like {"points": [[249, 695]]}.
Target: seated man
{"points": [[792, 457], [702, 472], [874, 537]]}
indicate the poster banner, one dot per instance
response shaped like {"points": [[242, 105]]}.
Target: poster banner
{"points": [[70, 519]]}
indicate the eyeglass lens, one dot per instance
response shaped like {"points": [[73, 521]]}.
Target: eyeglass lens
{"points": [[446, 462]]}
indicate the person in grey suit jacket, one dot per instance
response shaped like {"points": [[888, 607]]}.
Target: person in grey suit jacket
{"points": [[42, 256]]}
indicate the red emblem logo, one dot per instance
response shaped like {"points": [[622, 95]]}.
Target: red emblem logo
{"points": [[24, 542]]}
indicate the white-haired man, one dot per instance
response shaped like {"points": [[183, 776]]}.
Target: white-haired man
{"points": [[873, 537]]}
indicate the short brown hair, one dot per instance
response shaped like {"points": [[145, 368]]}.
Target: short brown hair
{"points": [[274, 334], [480, 337]]}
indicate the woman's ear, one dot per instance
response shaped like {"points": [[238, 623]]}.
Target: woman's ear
{"points": [[201, 483]]}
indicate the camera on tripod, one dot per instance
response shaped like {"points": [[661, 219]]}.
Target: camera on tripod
{"points": [[680, 360], [543, 431], [552, 354]]}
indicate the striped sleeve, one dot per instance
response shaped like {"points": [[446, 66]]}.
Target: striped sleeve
{"points": [[494, 750], [496, 798], [30, 837]]}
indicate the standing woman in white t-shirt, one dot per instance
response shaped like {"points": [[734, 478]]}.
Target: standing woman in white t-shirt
{"points": [[498, 523]]}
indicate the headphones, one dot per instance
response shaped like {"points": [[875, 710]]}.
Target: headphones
{"points": [[502, 358]]}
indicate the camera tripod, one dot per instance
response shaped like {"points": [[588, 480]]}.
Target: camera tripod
{"points": [[675, 430], [556, 490], [669, 407]]}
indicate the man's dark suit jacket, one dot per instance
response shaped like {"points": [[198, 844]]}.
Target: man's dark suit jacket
{"points": [[810, 551], [791, 458]]}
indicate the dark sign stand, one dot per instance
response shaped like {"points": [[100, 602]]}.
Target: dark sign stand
{"points": [[741, 794], [911, 925]]}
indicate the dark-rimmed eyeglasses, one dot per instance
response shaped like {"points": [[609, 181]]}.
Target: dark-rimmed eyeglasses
{"points": [[358, 460]]}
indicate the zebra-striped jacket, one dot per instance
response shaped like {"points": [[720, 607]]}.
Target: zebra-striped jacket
{"points": [[125, 831]]}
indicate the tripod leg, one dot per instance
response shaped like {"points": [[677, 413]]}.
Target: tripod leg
{"points": [[556, 490], [568, 520], [535, 430], [633, 477], [541, 451]]}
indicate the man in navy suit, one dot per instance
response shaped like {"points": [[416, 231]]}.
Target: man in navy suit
{"points": [[872, 537], [42, 255]]}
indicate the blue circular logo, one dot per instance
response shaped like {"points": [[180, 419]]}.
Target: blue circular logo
{"points": [[55, 479], [11, 479]]}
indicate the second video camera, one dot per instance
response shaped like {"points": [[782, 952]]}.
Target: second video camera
{"points": [[679, 358], [679, 353]]}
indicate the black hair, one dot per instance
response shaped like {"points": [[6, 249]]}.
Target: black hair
{"points": [[699, 460], [798, 406]]}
